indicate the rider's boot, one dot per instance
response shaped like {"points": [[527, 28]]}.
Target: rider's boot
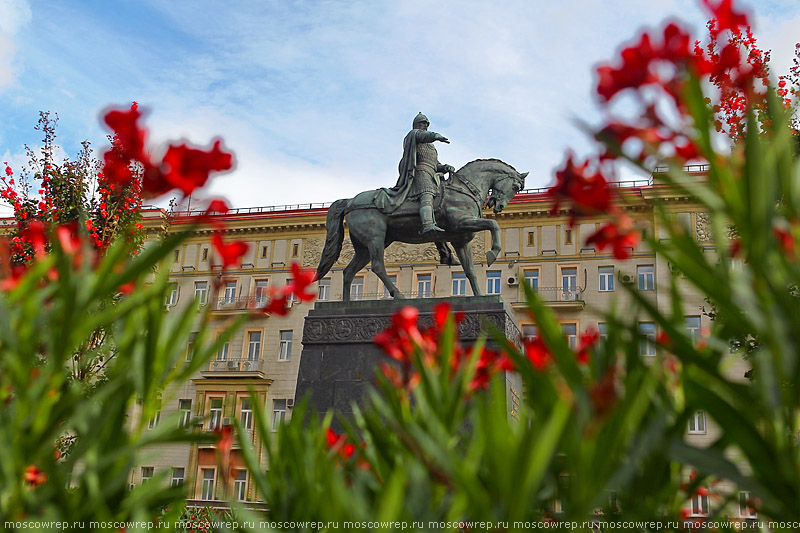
{"points": [[426, 214]]}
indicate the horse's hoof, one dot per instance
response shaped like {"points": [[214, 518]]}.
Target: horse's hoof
{"points": [[490, 258]]}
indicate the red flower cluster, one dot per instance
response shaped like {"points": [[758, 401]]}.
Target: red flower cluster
{"points": [[540, 356], [588, 192], [619, 234], [404, 337], [182, 167], [339, 444], [298, 287], [231, 254], [34, 476]]}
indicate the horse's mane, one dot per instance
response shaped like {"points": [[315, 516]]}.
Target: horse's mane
{"points": [[491, 160]]}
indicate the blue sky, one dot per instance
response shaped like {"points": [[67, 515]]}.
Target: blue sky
{"points": [[314, 97]]}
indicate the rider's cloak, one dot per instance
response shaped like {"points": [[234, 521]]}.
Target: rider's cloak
{"points": [[388, 200]]}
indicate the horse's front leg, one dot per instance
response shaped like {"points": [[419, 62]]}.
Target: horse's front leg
{"points": [[464, 252], [474, 225]]}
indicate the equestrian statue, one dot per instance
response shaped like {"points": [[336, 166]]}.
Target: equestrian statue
{"points": [[421, 208]]}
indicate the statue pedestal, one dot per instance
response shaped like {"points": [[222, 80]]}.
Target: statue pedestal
{"points": [[339, 359]]}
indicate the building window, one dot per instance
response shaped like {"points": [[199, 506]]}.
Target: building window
{"points": [[567, 236], [253, 345], [531, 238], [493, 282], [357, 288], [746, 509], [570, 331], [285, 349], [246, 414], [201, 292], [692, 324], [190, 346], [147, 473], [700, 503], [260, 292], [424, 282], [177, 256], [185, 409], [207, 490], [386, 295], [240, 485], [697, 423], [172, 295], [324, 293], [278, 413], [153, 422], [602, 329], [264, 252], [459, 284], [569, 284], [295, 250], [606, 275], [178, 476], [647, 338], [205, 255], [646, 275], [532, 279], [529, 332], [222, 353], [215, 414], [230, 292]]}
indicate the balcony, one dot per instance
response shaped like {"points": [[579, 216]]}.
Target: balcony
{"points": [[237, 368], [237, 304], [558, 298]]}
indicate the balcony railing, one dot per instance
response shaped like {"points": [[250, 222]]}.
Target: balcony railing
{"points": [[560, 294], [233, 304], [236, 365]]}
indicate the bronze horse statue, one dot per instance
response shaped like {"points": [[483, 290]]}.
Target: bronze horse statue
{"points": [[458, 212]]}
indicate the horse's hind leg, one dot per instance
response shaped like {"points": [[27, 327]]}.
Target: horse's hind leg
{"points": [[359, 261], [464, 252], [376, 249]]}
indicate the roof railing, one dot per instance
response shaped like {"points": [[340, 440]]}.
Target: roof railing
{"points": [[647, 182]]}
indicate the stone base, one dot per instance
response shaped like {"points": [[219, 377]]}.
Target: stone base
{"points": [[339, 359]]}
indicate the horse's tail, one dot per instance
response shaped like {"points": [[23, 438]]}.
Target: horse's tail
{"points": [[334, 238]]}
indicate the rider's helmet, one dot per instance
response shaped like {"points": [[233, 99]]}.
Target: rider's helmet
{"points": [[421, 119]]}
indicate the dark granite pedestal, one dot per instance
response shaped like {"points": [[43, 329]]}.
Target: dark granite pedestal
{"points": [[339, 358]]}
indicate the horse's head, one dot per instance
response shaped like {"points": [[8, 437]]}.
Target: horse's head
{"points": [[504, 188]]}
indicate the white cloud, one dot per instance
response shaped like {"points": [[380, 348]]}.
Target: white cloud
{"points": [[14, 15]]}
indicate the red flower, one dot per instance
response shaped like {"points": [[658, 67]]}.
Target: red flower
{"points": [[278, 302], [129, 134], [33, 476], [619, 234], [785, 241], [440, 313], [634, 71], [538, 354], [34, 233], [727, 18], [301, 281], [188, 168], [589, 193], [10, 172], [587, 340], [232, 253], [68, 237]]}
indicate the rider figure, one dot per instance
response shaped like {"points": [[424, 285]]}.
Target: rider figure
{"points": [[420, 164]]}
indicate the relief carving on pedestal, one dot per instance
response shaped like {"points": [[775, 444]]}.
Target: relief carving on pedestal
{"points": [[397, 252]]}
